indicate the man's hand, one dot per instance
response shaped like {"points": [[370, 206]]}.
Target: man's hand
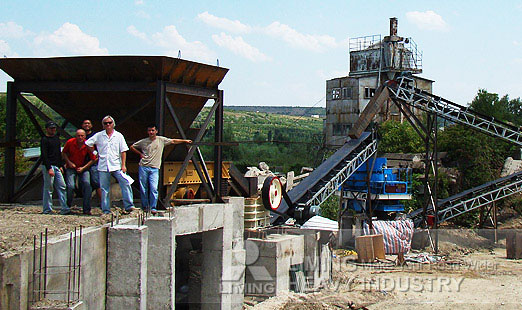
{"points": [[80, 169], [123, 168], [51, 172], [188, 141], [72, 165]]}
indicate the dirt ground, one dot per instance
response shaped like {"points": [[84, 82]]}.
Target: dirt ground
{"points": [[472, 273], [19, 225]]}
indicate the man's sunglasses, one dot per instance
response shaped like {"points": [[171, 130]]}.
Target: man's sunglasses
{"points": [[107, 123]]}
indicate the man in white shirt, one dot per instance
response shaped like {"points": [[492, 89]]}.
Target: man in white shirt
{"points": [[112, 148]]}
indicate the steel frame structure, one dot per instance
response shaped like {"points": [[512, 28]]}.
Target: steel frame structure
{"points": [[158, 96], [459, 206], [344, 174], [407, 93]]}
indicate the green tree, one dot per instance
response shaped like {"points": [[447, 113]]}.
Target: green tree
{"points": [[397, 137]]}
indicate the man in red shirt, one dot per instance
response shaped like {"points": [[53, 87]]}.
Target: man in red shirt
{"points": [[78, 159]]}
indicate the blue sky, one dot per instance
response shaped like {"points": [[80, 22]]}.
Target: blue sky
{"points": [[279, 53]]}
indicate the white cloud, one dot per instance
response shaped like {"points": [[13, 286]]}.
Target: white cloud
{"points": [[69, 39], [239, 47], [234, 26], [142, 14], [5, 50], [12, 30], [517, 61], [135, 32], [315, 43], [139, 2], [516, 43], [172, 41], [428, 20]]}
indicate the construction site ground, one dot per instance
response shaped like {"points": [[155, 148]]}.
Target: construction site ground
{"points": [[20, 223], [473, 273]]}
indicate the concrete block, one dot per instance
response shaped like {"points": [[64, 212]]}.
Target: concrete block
{"points": [[161, 263], [127, 267], [269, 263], [124, 302], [186, 220], [214, 241], [211, 216]]}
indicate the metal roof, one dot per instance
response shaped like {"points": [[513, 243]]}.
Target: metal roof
{"points": [[83, 101]]}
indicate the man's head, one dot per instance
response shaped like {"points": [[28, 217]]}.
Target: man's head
{"points": [[50, 128], [87, 125], [108, 123], [80, 136], [152, 131]]}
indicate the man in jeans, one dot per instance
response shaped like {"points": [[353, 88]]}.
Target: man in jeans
{"points": [[52, 170], [93, 171], [112, 156], [78, 160], [151, 151]]}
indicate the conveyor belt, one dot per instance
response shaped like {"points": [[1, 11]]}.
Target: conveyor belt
{"points": [[403, 90], [474, 198], [325, 179]]}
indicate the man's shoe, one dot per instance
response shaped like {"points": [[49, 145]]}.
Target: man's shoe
{"points": [[154, 211], [87, 213], [65, 213]]}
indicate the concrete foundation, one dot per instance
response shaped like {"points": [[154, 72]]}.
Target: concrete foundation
{"points": [[269, 261], [161, 265], [131, 267], [127, 267], [317, 254]]}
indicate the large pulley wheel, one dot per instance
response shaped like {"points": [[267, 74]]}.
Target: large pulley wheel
{"points": [[272, 193]]}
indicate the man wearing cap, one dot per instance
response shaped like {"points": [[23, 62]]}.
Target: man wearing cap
{"points": [[78, 160], [150, 151], [52, 170], [112, 156]]}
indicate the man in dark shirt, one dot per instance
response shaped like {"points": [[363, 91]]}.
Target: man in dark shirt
{"points": [[51, 170], [93, 170], [78, 160]]}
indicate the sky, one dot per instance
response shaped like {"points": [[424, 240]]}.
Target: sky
{"points": [[280, 53]]}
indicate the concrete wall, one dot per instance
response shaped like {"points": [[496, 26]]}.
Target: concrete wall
{"points": [[223, 261], [16, 271]]}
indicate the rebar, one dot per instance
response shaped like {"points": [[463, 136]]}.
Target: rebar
{"points": [[74, 262], [45, 262], [34, 268], [40, 268], [69, 269], [79, 260]]}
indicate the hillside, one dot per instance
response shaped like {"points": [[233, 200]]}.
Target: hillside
{"points": [[284, 142], [295, 111]]}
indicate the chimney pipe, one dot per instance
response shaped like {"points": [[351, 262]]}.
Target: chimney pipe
{"points": [[394, 25]]}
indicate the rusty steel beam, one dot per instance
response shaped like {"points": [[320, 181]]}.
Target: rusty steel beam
{"points": [[192, 90], [105, 86], [40, 114], [203, 175], [218, 150], [191, 151], [10, 137]]}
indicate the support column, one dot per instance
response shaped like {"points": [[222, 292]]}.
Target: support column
{"points": [[218, 138], [127, 267], [212, 269], [160, 122], [161, 273], [10, 140]]}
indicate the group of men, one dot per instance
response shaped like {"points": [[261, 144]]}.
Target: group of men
{"points": [[92, 158]]}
